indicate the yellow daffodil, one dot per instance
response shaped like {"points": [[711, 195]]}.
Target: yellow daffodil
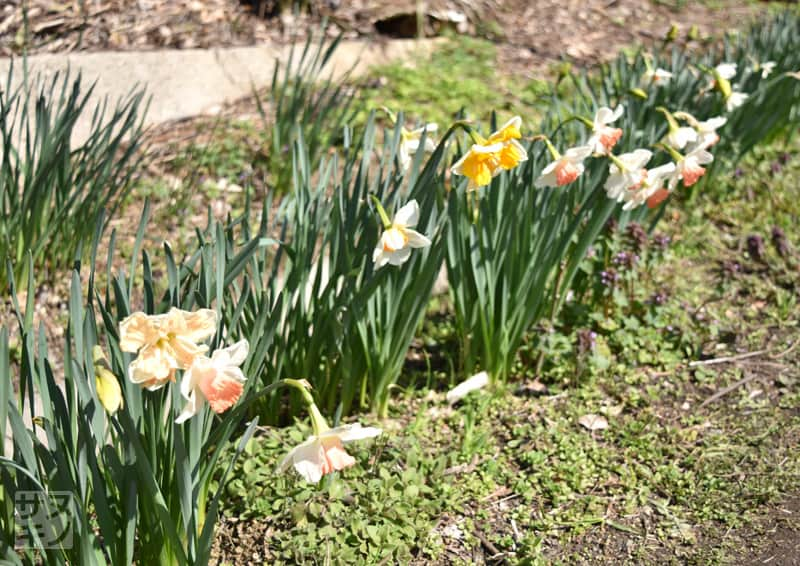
{"points": [[164, 343], [488, 157], [106, 384]]}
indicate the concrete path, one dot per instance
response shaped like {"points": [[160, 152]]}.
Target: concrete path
{"points": [[189, 82]]}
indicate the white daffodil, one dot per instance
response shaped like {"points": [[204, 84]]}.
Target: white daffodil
{"points": [[651, 183], [394, 246], [679, 137], [217, 380], [726, 70], [409, 143], [565, 169], [735, 100], [604, 137], [689, 169], [707, 130], [657, 76], [474, 383], [626, 170], [766, 68], [323, 452]]}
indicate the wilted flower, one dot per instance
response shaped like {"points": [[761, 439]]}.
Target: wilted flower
{"points": [[565, 169], [409, 143], [323, 452], [217, 380], [604, 137], [165, 343], [394, 245], [106, 383]]}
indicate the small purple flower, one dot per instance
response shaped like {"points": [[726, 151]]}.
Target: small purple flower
{"points": [[661, 241], [755, 247], [776, 167], [780, 242], [659, 298], [730, 268], [609, 277], [626, 260], [637, 235], [586, 341], [738, 173]]}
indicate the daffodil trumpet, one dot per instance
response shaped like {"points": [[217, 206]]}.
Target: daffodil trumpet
{"points": [[678, 136], [323, 452], [488, 157]]}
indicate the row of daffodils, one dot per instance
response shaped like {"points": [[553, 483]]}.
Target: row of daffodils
{"points": [[173, 347]]}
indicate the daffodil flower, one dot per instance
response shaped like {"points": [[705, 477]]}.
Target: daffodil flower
{"points": [[726, 70], [689, 167], [323, 452], [487, 158], [678, 136], [625, 171], [734, 100], [657, 76], [164, 343], [604, 137], [651, 182], [565, 168], [480, 165], [765, 68], [217, 380], [394, 245], [106, 384], [708, 130], [409, 143]]}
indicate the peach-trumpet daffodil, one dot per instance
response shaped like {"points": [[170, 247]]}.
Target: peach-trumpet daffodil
{"points": [[657, 76], [323, 452], [604, 137], [164, 343], [564, 169], [689, 167], [652, 182], [108, 390], [625, 171], [706, 130], [394, 245], [217, 380], [487, 158]]}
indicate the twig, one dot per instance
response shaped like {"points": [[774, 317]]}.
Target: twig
{"points": [[787, 351], [726, 359], [726, 390], [496, 554]]}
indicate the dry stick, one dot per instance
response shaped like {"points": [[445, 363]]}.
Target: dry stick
{"points": [[496, 554], [726, 390], [727, 359], [787, 351]]}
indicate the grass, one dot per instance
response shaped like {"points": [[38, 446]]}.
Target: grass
{"points": [[513, 475]]}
